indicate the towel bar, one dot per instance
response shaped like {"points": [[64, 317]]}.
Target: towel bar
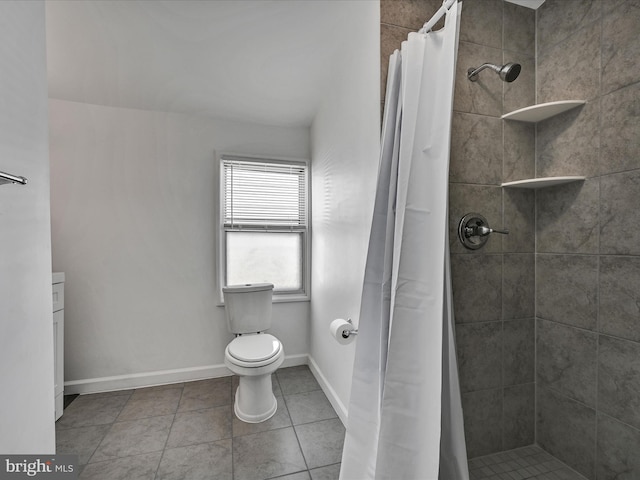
{"points": [[8, 178]]}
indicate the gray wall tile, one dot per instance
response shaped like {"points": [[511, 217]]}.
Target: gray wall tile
{"points": [[519, 416], [567, 289], [521, 92], [581, 57], [391, 37], [566, 360], [476, 149], [482, 421], [617, 455], [619, 379], [563, 75], [619, 306], [566, 429], [519, 29], [568, 144], [619, 139], [519, 155], [611, 5], [519, 219], [407, 13], [567, 218], [479, 347], [574, 54], [619, 214], [558, 19], [477, 287], [518, 287], [620, 46], [481, 23], [519, 351], [480, 140], [485, 200], [484, 96]]}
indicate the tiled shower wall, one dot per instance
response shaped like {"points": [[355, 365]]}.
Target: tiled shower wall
{"points": [[493, 287], [573, 254], [588, 246]]}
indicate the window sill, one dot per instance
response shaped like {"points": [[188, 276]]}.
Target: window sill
{"points": [[281, 299]]}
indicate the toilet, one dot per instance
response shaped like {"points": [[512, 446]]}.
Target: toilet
{"points": [[253, 355]]}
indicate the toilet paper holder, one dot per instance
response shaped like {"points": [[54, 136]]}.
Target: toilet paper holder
{"points": [[348, 333]]}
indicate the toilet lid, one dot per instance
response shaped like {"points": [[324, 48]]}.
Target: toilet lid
{"points": [[254, 348]]}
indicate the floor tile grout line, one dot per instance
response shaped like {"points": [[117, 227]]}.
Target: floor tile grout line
{"points": [[107, 432], [233, 437], [287, 474], [284, 399], [164, 448], [200, 409], [97, 446], [529, 471]]}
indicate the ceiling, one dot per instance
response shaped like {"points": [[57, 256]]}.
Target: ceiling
{"points": [[264, 61]]}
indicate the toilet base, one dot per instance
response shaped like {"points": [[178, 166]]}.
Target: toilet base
{"points": [[255, 401]]}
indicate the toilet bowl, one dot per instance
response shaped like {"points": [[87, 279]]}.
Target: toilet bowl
{"points": [[254, 358], [252, 355]]}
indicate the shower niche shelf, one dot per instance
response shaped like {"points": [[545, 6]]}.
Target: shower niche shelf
{"points": [[542, 111], [534, 183]]}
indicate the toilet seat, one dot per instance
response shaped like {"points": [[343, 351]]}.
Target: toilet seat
{"points": [[255, 350]]}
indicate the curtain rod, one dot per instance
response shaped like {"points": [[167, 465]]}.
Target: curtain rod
{"points": [[446, 4]]}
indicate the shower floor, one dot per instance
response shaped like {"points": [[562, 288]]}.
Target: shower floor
{"points": [[522, 463]]}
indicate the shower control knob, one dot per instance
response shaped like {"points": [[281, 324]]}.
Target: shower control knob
{"points": [[474, 231], [483, 231]]}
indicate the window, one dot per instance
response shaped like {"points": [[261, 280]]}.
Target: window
{"points": [[264, 224]]}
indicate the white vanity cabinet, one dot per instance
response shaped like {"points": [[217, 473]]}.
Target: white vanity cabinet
{"points": [[58, 341]]}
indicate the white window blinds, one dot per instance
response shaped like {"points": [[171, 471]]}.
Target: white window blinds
{"points": [[263, 194]]}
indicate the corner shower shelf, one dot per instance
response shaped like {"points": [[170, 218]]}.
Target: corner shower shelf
{"points": [[543, 111], [533, 183]]}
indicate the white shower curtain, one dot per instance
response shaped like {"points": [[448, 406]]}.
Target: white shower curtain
{"points": [[405, 414]]}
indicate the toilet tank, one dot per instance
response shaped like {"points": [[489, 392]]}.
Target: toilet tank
{"points": [[248, 307]]}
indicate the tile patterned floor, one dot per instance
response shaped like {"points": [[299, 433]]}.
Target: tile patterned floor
{"points": [[522, 463], [188, 431]]}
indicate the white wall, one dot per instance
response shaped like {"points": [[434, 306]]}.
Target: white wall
{"points": [[345, 139], [26, 319], [133, 199]]}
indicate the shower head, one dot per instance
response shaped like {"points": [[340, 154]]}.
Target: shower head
{"points": [[508, 72]]}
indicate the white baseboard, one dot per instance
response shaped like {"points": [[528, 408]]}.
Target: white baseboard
{"points": [[295, 360], [161, 377], [328, 390]]}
